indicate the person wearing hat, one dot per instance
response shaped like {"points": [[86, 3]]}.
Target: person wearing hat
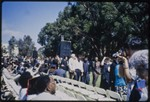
{"points": [[136, 69]]}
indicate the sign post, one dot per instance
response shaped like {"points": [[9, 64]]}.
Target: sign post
{"points": [[65, 48]]}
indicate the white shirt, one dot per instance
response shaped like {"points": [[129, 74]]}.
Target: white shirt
{"points": [[80, 65], [22, 93], [144, 95], [30, 97], [72, 64], [46, 96]]}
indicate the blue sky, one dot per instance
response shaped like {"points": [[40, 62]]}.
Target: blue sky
{"points": [[27, 18]]}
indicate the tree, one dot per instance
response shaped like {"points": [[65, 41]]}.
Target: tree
{"points": [[96, 28], [25, 46], [28, 46], [12, 42]]}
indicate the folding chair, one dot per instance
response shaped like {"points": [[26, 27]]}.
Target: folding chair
{"points": [[114, 95], [82, 85], [86, 92], [100, 91], [69, 93], [62, 79], [60, 88], [80, 97], [90, 99], [124, 97], [68, 81], [74, 82], [68, 85], [56, 78], [90, 88]]}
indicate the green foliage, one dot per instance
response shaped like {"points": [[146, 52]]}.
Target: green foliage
{"points": [[28, 46], [25, 46], [12, 42], [96, 28]]}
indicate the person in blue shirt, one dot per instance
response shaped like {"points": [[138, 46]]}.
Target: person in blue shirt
{"points": [[120, 84], [59, 72]]}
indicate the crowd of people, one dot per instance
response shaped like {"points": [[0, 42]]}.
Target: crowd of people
{"points": [[125, 72]]}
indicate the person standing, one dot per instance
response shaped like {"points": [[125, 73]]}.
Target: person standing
{"points": [[34, 56], [64, 63], [96, 70], [72, 65], [79, 69], [112, 74], [86, 66], [105, 72], [136, 69], [120, 83]]}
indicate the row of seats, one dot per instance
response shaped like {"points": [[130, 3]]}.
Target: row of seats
{"points": [[83, 91], [76, 89], [14, 88]]}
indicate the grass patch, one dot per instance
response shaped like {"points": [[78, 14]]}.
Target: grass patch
{"points": [[91, 79]]}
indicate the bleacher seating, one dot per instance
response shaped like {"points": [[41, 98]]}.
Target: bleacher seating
{"points": [[81, 90], [73, 90], [114, 95]]}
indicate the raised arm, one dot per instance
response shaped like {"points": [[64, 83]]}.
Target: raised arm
{"points": [[126, 68], [102, 62]]}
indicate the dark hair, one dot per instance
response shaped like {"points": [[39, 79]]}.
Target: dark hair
{"points": [[37, 65], [53, 66], [23, 80], [142, 71], [134, 43], [42, 83], [107, 59]]}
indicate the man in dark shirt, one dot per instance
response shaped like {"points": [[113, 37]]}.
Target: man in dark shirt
{"points": [[112, 75], [86, 77]]}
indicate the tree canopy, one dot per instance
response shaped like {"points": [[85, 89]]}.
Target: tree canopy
{"points": [[96, 28], [25, 46]]}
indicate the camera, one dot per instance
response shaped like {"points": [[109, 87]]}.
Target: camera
{"points": [[117, 53]]}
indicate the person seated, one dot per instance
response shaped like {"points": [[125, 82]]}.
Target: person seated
{"points": [[43, 69], [59, 72], [46, 90], [23, 80]]}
